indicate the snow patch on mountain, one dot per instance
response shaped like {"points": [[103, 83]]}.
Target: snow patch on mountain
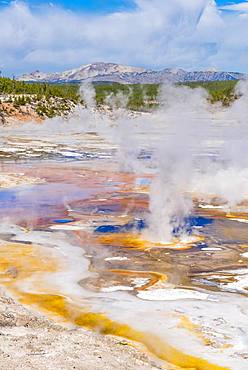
{"points": [[111, 72]]}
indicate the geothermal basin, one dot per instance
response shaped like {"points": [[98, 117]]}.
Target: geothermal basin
{"points": [[76, 244]]}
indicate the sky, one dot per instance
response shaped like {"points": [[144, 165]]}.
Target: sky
{"points": [[99, 6], [63, 34]]}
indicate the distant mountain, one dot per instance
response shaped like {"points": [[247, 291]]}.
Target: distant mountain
{"points": [[111, 72]]}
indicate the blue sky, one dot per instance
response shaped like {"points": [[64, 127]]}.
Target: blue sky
{"points": [[57, 35], [101, 6], [98, 5]]}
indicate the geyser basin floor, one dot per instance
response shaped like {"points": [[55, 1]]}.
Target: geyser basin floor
{"points": [[172, 300], [19, 262]]}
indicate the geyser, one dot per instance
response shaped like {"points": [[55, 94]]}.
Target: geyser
{"points": [[188, 147], [195, 148]]}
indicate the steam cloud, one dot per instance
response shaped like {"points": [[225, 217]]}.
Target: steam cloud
{"points": [[198, 149]]}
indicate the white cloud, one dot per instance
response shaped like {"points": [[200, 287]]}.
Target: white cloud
{"points": [[241, 7], [191, 34]]}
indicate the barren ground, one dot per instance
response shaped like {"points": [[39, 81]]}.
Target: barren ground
{"points": [[31, 341]]}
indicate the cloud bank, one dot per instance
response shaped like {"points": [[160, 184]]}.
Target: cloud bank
{"points": [[192, 34]]}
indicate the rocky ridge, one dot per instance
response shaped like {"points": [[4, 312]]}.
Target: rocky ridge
{"points": [[111, 72]]}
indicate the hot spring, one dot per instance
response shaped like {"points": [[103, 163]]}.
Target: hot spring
{"points": [[134, 225]]}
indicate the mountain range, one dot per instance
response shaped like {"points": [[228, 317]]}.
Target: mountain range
{"points": [[111, 72]]}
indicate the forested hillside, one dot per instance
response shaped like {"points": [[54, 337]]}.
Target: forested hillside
{"points": [[49, 100]]}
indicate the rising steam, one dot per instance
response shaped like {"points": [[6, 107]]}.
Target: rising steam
{"points": [[197, 148]]}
